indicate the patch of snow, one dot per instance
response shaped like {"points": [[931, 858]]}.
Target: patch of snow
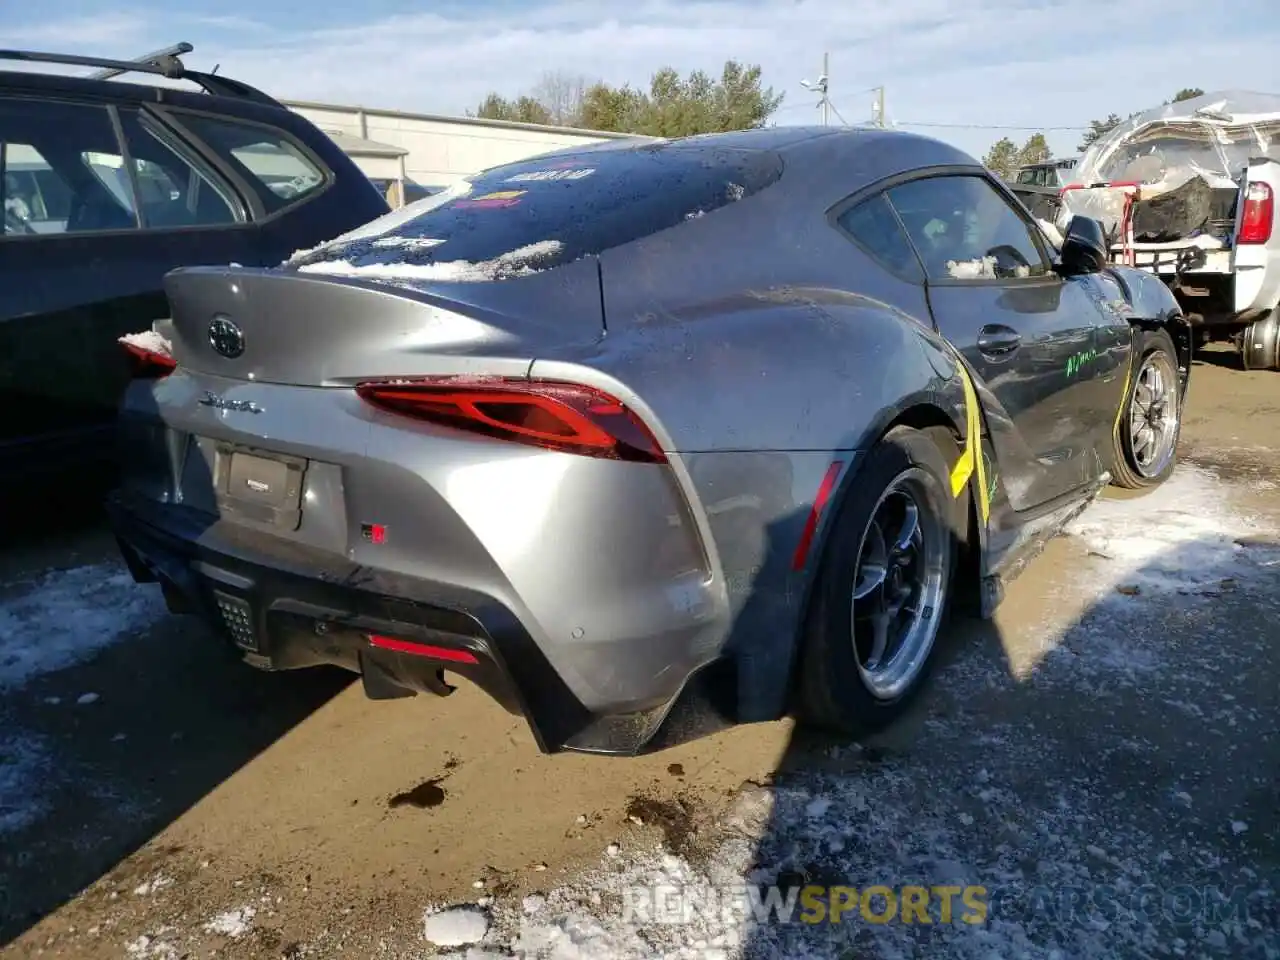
{"points": [[657, 905], [1051, 231], [1027, 809], [154, 885], [87, 698], [152, 947], [456, 926], [25, 764], [407, 243], [1149, 570], [1179, 538], [389, 221], [972, 269], [67, 616], [148, 340], [232, 923], [984, 268], [516, 263]]}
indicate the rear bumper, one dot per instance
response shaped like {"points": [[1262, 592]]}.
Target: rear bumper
{"points": [[288, 606]]}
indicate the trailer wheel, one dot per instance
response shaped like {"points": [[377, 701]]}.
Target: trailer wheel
{"points": [[1260, 343]]}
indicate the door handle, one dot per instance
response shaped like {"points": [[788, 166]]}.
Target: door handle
{"points": [[995, 340]]}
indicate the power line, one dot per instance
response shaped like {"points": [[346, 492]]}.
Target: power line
{"points": [[983, 126], [880, 120]]}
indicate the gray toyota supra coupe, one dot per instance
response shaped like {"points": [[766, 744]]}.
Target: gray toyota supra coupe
{"points": [[646, 433]]}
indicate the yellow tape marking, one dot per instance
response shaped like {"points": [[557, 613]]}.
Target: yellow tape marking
{"points": [[971, 460], [1124, 396]]}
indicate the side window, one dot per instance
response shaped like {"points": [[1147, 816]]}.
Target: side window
{"points": [[965, 230], [874, 227], [266, 155], [1026, 176], [57, 176], [173, 191]]}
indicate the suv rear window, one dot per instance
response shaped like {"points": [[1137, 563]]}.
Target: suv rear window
{"points": [[558, 208], [266, 154]]}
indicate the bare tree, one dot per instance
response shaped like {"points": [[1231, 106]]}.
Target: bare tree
{"points": [[562, 94]]}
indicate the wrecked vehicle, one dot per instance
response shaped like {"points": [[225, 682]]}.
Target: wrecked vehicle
{"points": [[635, 436], [1187, 192]]}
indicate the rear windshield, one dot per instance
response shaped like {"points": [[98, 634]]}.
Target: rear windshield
{"points": [[537, 214]]}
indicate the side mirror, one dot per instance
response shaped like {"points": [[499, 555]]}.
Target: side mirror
{"points": [[1084, 247]]}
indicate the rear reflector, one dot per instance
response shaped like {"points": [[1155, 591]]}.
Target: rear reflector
{"points": [[825, 490], [1259, 214], [422, 649], [557, 416]]}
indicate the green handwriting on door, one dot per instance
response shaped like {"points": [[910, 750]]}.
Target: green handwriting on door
{"points": [[1079, 361]]}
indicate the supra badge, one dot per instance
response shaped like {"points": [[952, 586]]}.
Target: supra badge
{"points": [[211, 399]]}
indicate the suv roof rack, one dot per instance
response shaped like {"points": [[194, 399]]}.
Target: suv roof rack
{"points": [[159, 57], [164, 63]]}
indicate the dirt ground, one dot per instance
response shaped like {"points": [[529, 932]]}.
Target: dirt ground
{"points": [[1116, 727]]}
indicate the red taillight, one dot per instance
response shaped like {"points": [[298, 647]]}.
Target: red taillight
{"points": [[558, 416], [148, 364], [1259, 214]]}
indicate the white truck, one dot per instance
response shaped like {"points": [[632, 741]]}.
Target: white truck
{"points": [[1188, 192]]}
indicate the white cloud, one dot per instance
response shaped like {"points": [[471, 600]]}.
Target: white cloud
{"points": [[81, 34], [984, 62]]}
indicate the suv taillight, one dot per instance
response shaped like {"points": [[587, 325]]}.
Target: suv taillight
{"points": [[1259, 214]]}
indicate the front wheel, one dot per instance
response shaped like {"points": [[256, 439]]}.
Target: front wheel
{"points": [[1150, 417], [883, 585]]}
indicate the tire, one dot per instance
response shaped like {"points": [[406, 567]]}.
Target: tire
{"points": [[1136, 467], [1259, 343], [836, 691]]}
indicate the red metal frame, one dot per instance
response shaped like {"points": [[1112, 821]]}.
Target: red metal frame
{"points": [[1132, 191]]}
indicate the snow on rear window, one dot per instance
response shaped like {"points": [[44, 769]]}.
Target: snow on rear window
{"points": [[562, 207], [521, 262]]}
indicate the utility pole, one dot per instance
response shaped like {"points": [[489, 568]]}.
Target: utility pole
{"points": [[820, 87], [823, 81]]}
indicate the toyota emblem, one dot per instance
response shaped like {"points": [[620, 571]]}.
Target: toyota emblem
{"points": [[225, 337]]}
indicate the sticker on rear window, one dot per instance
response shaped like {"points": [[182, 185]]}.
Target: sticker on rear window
{"points": [[503, 198], [408, 243], [541, 176]]}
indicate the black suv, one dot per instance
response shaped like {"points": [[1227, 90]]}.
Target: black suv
{"points": [[109, 185]]}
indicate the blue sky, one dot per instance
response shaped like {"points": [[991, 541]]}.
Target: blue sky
{"points": [[1034, 63]]}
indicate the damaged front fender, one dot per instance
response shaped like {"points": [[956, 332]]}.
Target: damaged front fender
{"points": [[1150, 304]]}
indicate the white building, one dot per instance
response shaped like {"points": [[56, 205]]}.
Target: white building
{"points": [[433, 151]]}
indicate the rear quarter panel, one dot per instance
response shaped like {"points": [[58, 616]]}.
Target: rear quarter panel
{"points": [[757, 396]]}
